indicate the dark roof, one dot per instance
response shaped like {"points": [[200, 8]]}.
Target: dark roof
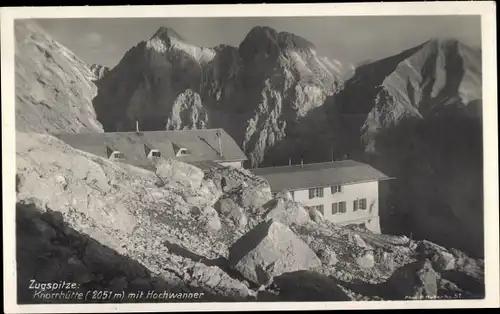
{"points": [[202, 145], [297, 177]]}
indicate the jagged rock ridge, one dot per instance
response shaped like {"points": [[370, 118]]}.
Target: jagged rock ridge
{"points": [[99, 70], [261, 92], [417, 83], [54, 89]]}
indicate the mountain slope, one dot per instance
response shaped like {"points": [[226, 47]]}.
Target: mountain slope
{"points": [[417, 83], [417, 117], [54, 88], [259, 92]]}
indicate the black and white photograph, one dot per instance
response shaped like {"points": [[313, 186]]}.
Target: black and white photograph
{"points": [[216, 159]]}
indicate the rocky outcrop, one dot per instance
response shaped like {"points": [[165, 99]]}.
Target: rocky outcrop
{"points": [[243, 189], [187, 112], [286, 211], [269, 250], [260, 92], [414, 281], [99, 70], [123, 209], [173, 171], [441, 259], [54, 88], [112, 226], [226, 207]]}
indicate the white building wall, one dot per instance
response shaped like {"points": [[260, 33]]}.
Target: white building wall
{"points": [[349, 193]]}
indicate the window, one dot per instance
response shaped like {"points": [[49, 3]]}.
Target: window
{"points": [[155, 154], [291, 193], [315, 192], [118, 155], [338, 208], [336, 189], [342, 207], [335, 208], [182, 152], [359, 204], [362, 203]]}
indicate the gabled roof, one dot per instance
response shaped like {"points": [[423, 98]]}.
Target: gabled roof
{"points": [[202, 145], [297, 177]]}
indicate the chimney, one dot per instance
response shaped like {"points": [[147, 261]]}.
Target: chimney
{"points": [[289, 161], [302, 163], [220, 142], [137, 125]]}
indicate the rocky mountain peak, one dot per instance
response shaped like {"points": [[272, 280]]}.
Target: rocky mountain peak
{"points": [[166, 33], [264, 39]]}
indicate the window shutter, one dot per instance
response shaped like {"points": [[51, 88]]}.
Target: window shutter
{"points": [[311, 193], [355, 205], [339, 188], [320, 192], [321, 209], [334, 208], [342, 207], [363, 203]]}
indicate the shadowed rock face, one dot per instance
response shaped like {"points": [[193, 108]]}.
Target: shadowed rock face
{"points": [[416, 116], [260, 92], [54, 89]]}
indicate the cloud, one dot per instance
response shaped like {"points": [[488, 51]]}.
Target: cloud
{"points": [[93, 39]]}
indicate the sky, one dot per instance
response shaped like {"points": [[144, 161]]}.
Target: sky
{"points": [[347, 39]]}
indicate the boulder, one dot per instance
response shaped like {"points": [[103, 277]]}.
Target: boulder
{"points": [[448, 289], [285, 194], [358, 241], [226, 207], [286, 211], [268, 250], [209, 192], [213, 224], [251, 197], [315, 215], [227, 184], [305, 285], [367, 260], [176, 171], [215, 278], [327, 257], [386, 261], [417, 280], [441, 259], [243, 187]]}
